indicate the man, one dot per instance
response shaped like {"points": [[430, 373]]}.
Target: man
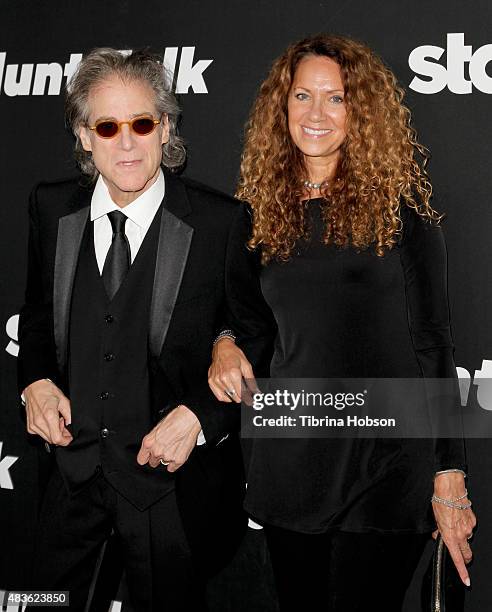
{"points": [[129, 281]]}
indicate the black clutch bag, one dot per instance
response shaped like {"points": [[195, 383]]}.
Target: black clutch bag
{"points": [[442, 589]]}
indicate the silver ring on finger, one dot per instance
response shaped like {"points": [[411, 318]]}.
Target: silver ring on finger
{"points": [[230, 392], [166, 463]]}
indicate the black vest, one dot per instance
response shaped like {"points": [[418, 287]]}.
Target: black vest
{"points": [[109, 386]]}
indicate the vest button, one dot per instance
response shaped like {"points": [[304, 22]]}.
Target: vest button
{"points": [[109, 318], [104, 433], [104, 395], [108, 357]]}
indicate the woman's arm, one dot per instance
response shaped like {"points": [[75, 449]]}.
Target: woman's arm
{"points": [[424, 262], [228, 369], [247, 314]]}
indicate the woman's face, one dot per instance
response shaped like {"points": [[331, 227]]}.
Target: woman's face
{"points": [[317, 112]]}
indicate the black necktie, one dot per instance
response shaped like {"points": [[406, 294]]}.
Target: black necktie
{"points": [[117, 260]]}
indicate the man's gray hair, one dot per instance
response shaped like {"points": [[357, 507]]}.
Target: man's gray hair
{"points": [[99, 65]]}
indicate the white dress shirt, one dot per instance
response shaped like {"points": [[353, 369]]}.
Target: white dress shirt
{"points": [[140, 214]]}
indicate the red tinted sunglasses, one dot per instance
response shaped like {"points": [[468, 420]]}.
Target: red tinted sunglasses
{"points": [[107, 128]]}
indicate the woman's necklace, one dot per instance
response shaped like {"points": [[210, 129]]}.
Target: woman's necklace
{"points": [[311, 185]]}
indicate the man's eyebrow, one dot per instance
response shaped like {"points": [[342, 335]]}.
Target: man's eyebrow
{"points": [[146, 113], [132, 116], [105, 118]]}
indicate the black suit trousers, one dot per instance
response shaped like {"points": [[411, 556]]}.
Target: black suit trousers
{"points": [[159, 569]]}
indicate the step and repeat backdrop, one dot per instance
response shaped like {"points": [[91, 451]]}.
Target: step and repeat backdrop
{"points": [[219, 51]]}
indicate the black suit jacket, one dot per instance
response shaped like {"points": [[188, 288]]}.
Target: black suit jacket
{"points": [[204, 277]]}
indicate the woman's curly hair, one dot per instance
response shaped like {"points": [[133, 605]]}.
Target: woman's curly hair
{"points": [[381, 163]]}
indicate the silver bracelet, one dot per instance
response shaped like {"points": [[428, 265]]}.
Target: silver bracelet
{"points": [[450, 503], [225, 333], [450, 471], [456, 499]]}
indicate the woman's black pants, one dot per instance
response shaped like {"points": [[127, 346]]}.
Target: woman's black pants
{"points": [[341, 571]]}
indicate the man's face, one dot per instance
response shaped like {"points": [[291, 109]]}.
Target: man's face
{"points": [[129, 163]]}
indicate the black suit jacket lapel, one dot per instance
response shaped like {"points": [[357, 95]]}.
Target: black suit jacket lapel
{"points": [[70, 232], [172, 253]]}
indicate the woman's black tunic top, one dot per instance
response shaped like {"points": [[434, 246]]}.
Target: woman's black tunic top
{"points": [[342, 313]]}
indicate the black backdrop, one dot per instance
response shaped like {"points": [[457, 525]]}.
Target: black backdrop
{"points": [[241, 38]]}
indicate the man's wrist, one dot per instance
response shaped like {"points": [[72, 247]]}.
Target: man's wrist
{"points": [[197, 426], [189, 414], [23, 394]]}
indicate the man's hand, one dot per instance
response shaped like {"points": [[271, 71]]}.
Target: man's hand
{"points": [[455, 526], [229, 366], [171, 440], [48, 412]]}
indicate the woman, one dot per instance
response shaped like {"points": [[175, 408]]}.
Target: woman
{"points": [[354, 270]]}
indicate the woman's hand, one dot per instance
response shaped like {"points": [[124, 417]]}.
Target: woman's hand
{"points": [[455, 526], [229, 366]]}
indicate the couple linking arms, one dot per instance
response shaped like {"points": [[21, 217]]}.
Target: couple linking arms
{"points": [[337, 269]]}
